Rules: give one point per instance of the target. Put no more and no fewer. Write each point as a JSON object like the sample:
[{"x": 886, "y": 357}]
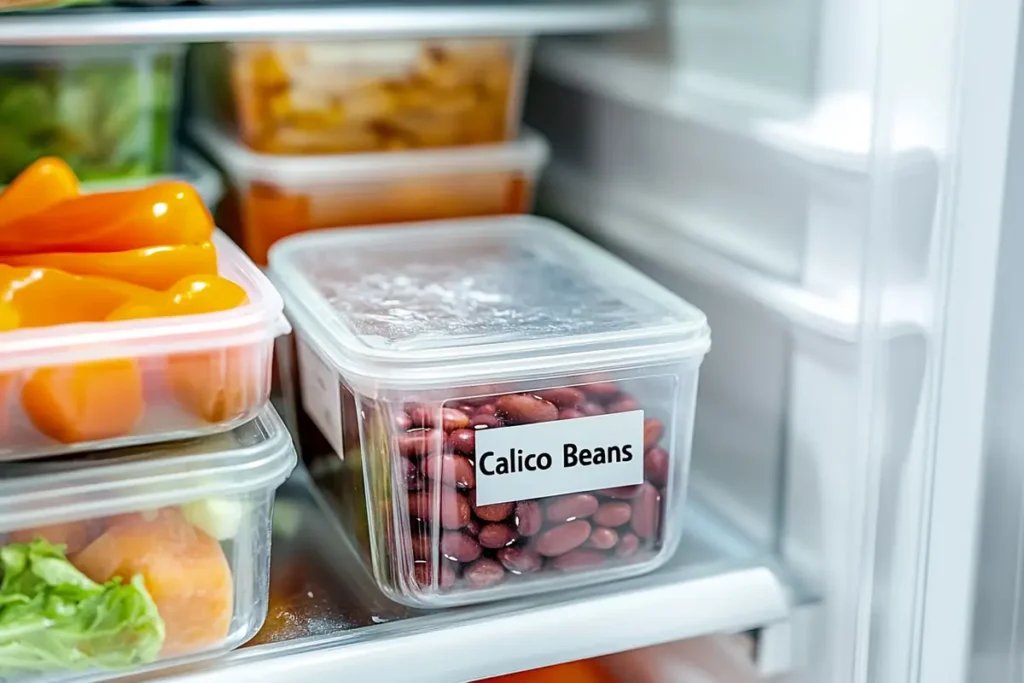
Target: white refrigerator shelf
[
  {"x": 257, "y": 20},
  {"x": 328, "y": 622}
]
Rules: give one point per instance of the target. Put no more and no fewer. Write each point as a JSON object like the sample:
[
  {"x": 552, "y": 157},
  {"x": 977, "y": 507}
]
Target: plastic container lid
[
  {"x": 258, "y": 320},
  {"x": 450, "y": 303},
  {"x": 529, "y": 153},
  {"x": 257, "y": 455}
]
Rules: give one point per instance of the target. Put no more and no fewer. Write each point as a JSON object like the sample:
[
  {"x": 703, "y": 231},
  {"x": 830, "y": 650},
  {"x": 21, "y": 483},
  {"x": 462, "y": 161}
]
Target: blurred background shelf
[
  {"x": 327, "y": 619},
  {"x": 257, "y": 20}
]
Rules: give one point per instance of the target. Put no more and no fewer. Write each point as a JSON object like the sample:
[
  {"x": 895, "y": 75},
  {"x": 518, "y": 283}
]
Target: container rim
[
  {"x": 529, "y": 153},
  {"x": 260, "y": 319},
  {"x": 54, "y": 491},
  {"x": 373, "y": 368}
]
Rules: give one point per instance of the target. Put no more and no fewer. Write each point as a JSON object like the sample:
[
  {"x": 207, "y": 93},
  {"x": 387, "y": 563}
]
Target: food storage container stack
[
  {"x": 496, "y": 406},
  {"x": 320, "y": 135},
  {"x": 108, "y": 111},
  {"x": 138, "y": 346},
  {"x": 134, "y": 558}
]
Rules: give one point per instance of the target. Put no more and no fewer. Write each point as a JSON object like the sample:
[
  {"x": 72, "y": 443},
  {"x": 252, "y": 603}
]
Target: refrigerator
[{"x": 833, "y": 183}]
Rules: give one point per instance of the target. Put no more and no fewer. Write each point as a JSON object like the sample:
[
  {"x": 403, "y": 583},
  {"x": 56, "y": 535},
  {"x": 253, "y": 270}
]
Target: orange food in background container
[
  {"x": 365, "y": 96},
  {"x": 278, "y": 196}
]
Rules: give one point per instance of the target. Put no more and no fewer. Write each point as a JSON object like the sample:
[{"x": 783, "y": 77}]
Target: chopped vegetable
[
  {"x": 53, "y": 617},
  {"x": 185, "y": 571},
  {"x": 219, "y": 517},
  {"x": 108, "y": 115}
]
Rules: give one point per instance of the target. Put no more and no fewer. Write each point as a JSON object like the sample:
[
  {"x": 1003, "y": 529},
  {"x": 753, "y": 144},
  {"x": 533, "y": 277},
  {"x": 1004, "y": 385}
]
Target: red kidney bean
[
  {"x": 568, "y": 508},
  {"x": 486, "y": 409},
  {"x": 453, "y": 470},
  {"x": 601, "y": 390},
  {"x": 656, "y": 466},
  {"x": 421, "y": 546},
  {"x": 628, "y": 545},
  {"x": 416, "y": 443},
  {"x": 463, "y": 441},
  {"x": 653, "y": 429},
  {"x": 485, "y": 422},
  {"x": 581, "y": 558},
  {"x": 458, "y": 546},
  {"x": 454, "y": 508},
  {"x": 452, "y": 419},
  {"x": 563, "y": 397},
  {"x": 484, "y": 543},
  {"x": 523, "y": 409},
  {"x": 519, "y": 560},
  {"x": 623, "y": 405},
  {"x": 562, "y": 538},
  {"x": 484, "y": 573},
  {"x": 496, "y": 536},
  {"x": 494, "y": 513},
  {"x": 613, "y": 514},
  {"x": 646, "y": 507},
  {"x": 603, "y": 538},
  {"x": 424, "y": 574},
  {"x": 529, "y": 517},
  {"x": 622, "y": 492},
  {"x": 421, "y": 416}
]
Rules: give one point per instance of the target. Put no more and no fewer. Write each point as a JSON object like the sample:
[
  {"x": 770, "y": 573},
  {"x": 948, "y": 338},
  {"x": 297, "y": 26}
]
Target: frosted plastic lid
[
  {"x": 485, "y": 299},
  {"x": 257, "y": 455},
  {"x": 528, "y": 154}
]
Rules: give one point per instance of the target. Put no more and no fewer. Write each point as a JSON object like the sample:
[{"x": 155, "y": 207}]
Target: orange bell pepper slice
[
  {"x": 46, "y": 182},
  {"x": 216, "y": 385},
  {"x": 86, "y": 401},
  {"x": 170, "y": 212},
  {"x": 38, "y": 297},
  {"x": 153, "y": 267}
]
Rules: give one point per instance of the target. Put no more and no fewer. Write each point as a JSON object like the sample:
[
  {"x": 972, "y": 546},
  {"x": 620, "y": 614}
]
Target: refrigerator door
[{"x": 876, "y": 217}]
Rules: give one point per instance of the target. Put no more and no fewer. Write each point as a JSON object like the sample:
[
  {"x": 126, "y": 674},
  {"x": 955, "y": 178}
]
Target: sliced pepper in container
[
  {"x": 109, "y": 264},
  {"x": 170, "y": 212},
  {"x": 155, "y": 267}
]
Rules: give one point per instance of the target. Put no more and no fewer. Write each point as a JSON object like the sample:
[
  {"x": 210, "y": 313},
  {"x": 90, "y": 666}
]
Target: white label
[
  {"x": 564, "y": 456},
  {"x": 321, "y": 395}
]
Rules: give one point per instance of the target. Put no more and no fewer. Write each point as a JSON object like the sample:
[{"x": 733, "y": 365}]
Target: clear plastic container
[
  {"x": 83, "y": 386},
  {"x": 500, "y": 407},
  {"x": 109, "y": 111},
  {"x": 166, "y": 553},
  {"x": 273, "y": 197},
  {"x": 365, "y": 96}
]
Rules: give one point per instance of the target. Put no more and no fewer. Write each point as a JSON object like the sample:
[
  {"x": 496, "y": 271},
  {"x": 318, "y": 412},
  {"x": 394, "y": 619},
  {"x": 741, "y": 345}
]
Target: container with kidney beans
[{"x": 497, "y": 407}]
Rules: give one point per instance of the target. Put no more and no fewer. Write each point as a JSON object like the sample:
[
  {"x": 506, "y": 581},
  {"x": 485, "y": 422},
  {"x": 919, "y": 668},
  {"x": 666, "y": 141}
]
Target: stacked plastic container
[
  {"x": 139, "y": 454},
  {"x": 322, "y": 135},
  {"x": 497, "y": 407}
]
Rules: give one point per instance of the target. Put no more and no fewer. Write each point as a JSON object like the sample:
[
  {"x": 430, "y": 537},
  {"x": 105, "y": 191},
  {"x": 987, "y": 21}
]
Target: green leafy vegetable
[
  {"x": 110, "y": 116},
  {"x": 53, "y": 617}
]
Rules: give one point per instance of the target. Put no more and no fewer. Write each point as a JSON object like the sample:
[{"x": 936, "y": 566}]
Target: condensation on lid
[
  {"x": 381, "y": 300},
  {"x": 258, "y": 455}
]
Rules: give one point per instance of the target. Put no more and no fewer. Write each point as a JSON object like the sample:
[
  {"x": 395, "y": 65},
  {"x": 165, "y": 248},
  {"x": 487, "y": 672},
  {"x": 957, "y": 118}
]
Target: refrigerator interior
[{"x": 825, "y": 179}]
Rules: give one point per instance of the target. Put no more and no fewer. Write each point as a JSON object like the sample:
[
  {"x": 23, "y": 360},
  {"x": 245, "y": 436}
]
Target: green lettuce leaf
[{"x": 53, "y": 617}]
